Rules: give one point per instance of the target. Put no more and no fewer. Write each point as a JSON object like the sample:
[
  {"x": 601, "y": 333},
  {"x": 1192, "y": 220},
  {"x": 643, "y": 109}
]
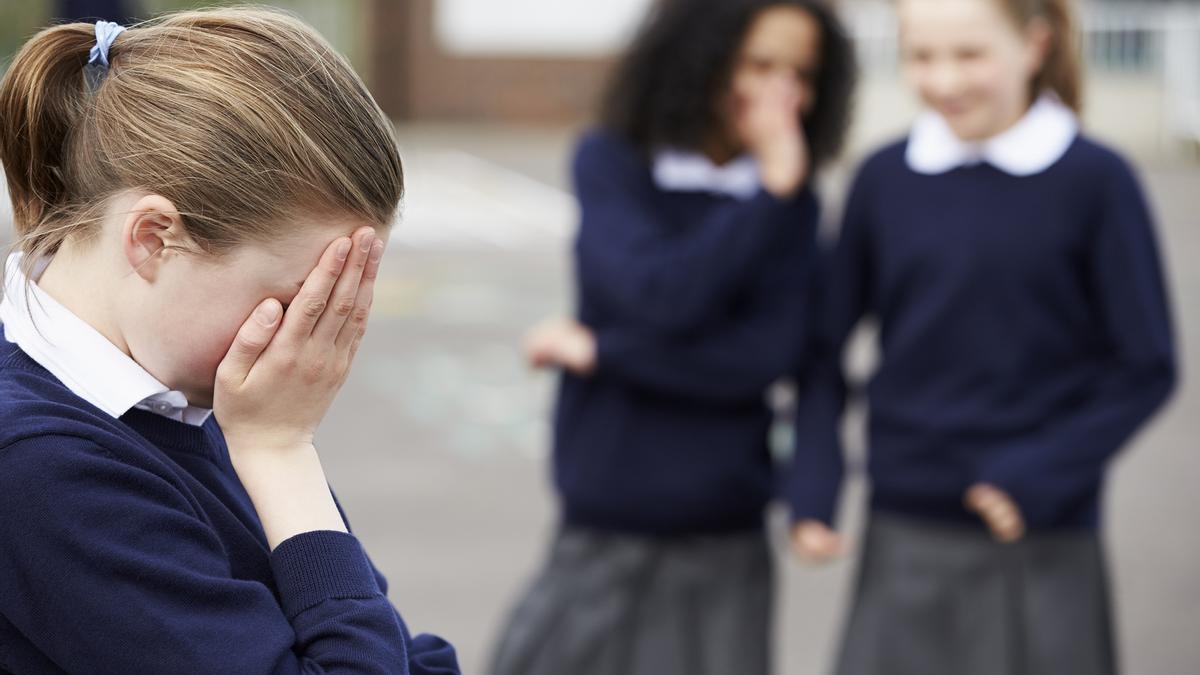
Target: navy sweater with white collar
[
  {"x": 130, "y": 546},
  {"x": 697, "y": 303},
  {"x": 1024, "y": 331}
]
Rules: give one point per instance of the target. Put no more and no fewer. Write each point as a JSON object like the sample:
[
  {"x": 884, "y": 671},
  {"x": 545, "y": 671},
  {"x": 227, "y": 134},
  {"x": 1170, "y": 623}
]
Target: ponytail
[
  {"x": 42, "y": 99},
  {"x": 1061, "y": 71},
  {"x": 244, "y": 119}
]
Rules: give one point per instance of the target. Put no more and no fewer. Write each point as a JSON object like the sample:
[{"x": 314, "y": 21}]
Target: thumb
[{"x": 252, "y": 338}]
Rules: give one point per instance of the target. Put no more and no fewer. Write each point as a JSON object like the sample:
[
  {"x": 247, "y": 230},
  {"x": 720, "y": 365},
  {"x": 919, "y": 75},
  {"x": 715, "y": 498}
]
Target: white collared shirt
[
  {"x": 1038, "y": 140},
  {"x": 681, "y": 171},
  {"x": 80, "y": 357}
]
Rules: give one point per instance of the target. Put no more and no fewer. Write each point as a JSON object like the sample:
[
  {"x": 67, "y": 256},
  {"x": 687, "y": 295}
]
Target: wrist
[
  {"x": 290, "y": 492},
  {"x": 782, "y": 177},
  {"x": 583, "y": 354},
  {"x": 267, "y": 442},
  {"x": 263, "y": 459}
]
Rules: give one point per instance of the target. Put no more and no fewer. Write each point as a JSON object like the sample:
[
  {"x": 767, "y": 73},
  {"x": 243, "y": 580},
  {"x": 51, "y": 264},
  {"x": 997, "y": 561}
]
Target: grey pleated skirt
[
  {"x": 936, "y": 599},
  {"x": 609, "y": 604}
]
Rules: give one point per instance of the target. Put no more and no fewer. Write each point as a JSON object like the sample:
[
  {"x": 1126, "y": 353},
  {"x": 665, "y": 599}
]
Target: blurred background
[{"x": 438, "y": 444}]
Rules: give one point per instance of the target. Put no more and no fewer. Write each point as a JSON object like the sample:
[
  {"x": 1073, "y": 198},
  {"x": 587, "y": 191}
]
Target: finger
[
  {"x": 351, "y": 353},
  {"x": 355, "y": 343},
  {"x": 343, "y": 298},
  {"x": 309, "y": 304},
  {"x": 1008, "y": 523},
  {"x": 979, "y": 495},
  {"x": 537, "y": 355},
  {"x": 814, "y": 541},
  {"x": 531, "y": 350},
  {"x": 250, "y": 342},
  {"x": 820, "y": 549},
  {"x": 538, "y": 344},
  {"x": 996, "y": 518},
  {"x": 1013, "y": 522},
  {"x": 995, "y": 513},
  {"x": 357, "y": 321},
  {"x": 1005, "y": 523},
  {"x": 998, "y": 504},
  {"x": 1007, "y": 532},
  {"x": 1018, "y": 529},
  {"x": 374, "y": 260},
  {"x": 551, "y": 356},
  {"x": 992, "y": 501}
]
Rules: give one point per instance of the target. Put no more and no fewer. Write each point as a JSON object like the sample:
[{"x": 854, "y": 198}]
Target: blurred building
[
  {"x": 514, "y": 61},
  {"x": 546, "y": 61}
]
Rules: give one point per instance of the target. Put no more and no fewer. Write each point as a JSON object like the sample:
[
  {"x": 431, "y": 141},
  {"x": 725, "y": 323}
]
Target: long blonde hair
[
  {"x": 242, "y": 118},
  {"x": 1061, "y": 71}
]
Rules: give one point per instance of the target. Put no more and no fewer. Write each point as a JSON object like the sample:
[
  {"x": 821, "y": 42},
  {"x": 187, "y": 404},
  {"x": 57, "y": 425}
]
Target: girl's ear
[
  {"x": 1039, "y": 38},
  {"x": 152, "y": 226}
]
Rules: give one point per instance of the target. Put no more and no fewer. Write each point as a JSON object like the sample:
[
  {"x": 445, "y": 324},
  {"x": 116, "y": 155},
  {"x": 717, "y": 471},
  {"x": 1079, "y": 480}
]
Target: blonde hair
[
  {"x": 243, "y": 118},
  {"x": 1061, "y": 71}
]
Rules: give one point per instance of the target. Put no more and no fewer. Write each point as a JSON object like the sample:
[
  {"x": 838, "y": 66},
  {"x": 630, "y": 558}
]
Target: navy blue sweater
[
  {"x": 130, "y": 546},
  {"x": 693, "y": 298},
  {"x": 1024, "y": 331}
]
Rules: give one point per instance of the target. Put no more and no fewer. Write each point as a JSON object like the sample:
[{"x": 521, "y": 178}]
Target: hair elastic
[{"x": 97, "y": 65}]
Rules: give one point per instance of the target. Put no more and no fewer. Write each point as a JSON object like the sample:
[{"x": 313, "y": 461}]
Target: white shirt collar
[
  {"x": 1031, "y": 146},
  {"x": 680, "y": 171},
  {"x": 80, "y": 357}
]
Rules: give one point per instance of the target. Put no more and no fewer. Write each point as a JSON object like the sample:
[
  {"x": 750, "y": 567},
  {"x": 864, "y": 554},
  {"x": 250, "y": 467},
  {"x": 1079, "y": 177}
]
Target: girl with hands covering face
[{"x": 188, "y": 293}]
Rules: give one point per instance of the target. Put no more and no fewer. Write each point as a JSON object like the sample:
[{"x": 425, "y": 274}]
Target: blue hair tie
[
  {"x": 97, "y": 65},
  {"x": 106, "y": 32}
]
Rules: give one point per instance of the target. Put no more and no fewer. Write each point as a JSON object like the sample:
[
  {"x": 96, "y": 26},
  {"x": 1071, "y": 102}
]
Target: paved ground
[{"x": 437, "y": 446}]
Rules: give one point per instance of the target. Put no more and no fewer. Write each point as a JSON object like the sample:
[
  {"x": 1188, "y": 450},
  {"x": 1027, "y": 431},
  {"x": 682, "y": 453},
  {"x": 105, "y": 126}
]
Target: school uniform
[
  {"x": 689, "y": 275},
  {"x": 128, "y": 544},
  {"x": 1025, "y": 336}
]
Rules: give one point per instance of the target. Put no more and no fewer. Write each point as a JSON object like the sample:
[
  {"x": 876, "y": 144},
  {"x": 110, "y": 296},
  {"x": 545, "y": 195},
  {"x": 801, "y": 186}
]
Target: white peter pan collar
[
  {"x": 80, "y": 357},
  {"x": 1031, "y": 146},
  {"x": 680, "y": 171}
]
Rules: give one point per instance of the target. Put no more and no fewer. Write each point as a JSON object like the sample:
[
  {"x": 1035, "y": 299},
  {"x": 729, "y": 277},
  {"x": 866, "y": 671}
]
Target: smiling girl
[{"x": 1025, "y": 336}]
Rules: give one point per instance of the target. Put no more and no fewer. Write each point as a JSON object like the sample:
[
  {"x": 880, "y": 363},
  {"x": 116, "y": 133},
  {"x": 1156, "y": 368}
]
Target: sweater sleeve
[
  {"x": 108, "y": 567},
  {"x": 840, "y": 298},
  {"x": 738, "y": 357},
  {"x": 1127, "y": 290},
  {"x": 427, "y": 654},
  {"x": 637, "y": 269}
]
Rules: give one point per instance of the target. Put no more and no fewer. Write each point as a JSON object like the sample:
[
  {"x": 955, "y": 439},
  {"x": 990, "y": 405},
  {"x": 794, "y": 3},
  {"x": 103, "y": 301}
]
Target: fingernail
[
  {"x": 267, "y": 313},
  {"x": 343, "y": 250},
  {"x": 377, "y": 251},
  {"x": 366, "y": 242}
]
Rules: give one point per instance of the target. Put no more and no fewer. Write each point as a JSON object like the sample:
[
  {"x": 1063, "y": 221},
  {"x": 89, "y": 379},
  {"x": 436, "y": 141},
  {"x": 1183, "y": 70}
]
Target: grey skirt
[
  {"x": 609, "y": 604},
  {"x": 935, "y": 599}
]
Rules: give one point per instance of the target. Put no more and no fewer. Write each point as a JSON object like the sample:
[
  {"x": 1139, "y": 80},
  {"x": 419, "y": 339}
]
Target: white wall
[{"x": 568, "y": 28}]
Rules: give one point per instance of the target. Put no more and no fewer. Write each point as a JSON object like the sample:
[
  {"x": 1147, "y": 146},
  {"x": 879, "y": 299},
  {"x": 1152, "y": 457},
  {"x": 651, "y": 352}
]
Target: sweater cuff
[
  {"x": 812, "y": 506},
  {"x": 1041, "y": 496},
  {"x": 314, "y": 567},
  {"x": 803, "y": 198},
  {"x": 608, "y": 349}
]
